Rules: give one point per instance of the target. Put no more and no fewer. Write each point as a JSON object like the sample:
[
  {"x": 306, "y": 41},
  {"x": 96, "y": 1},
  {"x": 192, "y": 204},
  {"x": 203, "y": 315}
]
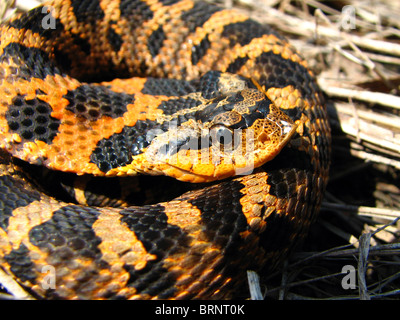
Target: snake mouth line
[{"x": 193, "y": 177}]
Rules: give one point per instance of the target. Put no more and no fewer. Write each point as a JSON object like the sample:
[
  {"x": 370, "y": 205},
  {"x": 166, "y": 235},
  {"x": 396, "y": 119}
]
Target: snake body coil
[{"x": 68, "y": 101}]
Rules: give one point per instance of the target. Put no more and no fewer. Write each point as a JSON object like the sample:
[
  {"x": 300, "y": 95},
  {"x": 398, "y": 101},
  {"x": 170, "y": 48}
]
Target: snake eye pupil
[{"x": 221, "y": 135}]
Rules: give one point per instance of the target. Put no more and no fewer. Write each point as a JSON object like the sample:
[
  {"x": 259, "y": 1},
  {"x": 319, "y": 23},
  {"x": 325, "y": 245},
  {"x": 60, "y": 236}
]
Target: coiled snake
[{"x": 214, "y": 96}]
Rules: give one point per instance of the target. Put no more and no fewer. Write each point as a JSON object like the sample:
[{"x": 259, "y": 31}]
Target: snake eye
[{"x": 221, "y": 136}]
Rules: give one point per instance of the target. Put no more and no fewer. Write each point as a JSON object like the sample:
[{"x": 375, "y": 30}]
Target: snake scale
[{"x": 168, "y": 87}]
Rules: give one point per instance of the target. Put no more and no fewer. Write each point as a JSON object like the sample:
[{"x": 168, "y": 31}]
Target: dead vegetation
[{"x": 354, "y": 49}]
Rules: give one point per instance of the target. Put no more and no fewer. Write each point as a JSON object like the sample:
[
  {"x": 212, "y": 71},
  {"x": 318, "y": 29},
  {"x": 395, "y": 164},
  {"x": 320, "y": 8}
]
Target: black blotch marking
[
  {"x": 281, "y": 183},
  {"x": 114, "y": 38},
  {"x": 279, "y": 72},
  {"x": 117, "y": 150},
  {"x": 87, "y": 11},
  {"x": 93, "y": 102},
  {"x": 200, "y": 50},
  {"x": 284, "y": 175},
  {"x": 237, "y": 64},
  {"x": 69, "y": 222},
  {"x": 32, "y": 20},
  {"x": 151, "y": 227},
  {"x": 171, "y": 106},
  {"x": 14, "y": 194},
  {"x": 198, "y": 15},
  {"x": 209, "y": 112},
  {"x": 69, "y": 235},
  {"x": 155, "y": 41},
  {"x": 244, "y": 32},
  {"x": 221, "y": 209},
  {"x": 289, "y": 158},
  {"x": 168, "y": 87},
  {"x": 209, "y": 85},
  {"x": 21, "y": 265},
  {"x": 168, "y": 2},
  {"x": 277, "y": 235},
  {"x": 135, "y": 11},
  {"x": 223, "y": 221},
  {"x": 290, "y": 168},
  {"x": 32, "y": 120},
  {"x": 295, "y": 113},
  {"x": 32, "y": 62}
]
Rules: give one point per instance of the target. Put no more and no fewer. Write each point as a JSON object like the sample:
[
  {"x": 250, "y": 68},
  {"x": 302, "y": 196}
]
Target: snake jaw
[{"x": 205, "y": 152}]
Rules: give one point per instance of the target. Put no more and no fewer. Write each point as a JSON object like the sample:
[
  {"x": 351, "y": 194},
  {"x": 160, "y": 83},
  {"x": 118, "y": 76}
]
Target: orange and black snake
[{"x": 178, "y": 88}]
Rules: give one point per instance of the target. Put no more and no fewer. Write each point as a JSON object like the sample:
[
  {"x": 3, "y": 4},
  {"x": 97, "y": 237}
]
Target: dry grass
[{"x": 357, "y": 64}]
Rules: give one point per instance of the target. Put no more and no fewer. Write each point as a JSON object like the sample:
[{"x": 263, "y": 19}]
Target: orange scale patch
[
  {"x": 145, "y": 107},
  {"x": 119, "y": 244},
  {"x": 72, "y": 147},
  {"x": 128, "y": 86}
]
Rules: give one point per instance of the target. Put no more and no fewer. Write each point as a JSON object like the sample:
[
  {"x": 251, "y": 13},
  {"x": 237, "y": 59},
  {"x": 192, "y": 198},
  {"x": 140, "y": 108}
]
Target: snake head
[{"x": 228, "y": 135}]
